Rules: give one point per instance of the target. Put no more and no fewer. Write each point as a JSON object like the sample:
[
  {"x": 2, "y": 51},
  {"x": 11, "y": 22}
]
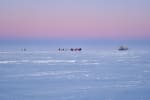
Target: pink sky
[{"x": 70, "y": 19}]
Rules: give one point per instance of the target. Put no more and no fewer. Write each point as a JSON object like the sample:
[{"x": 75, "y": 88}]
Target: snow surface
[{"x": 86, "y": 75}]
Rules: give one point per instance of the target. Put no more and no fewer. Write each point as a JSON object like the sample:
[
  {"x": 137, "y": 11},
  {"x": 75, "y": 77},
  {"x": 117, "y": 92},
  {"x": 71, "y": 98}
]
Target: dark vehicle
[{"x": 123, "y": 48}]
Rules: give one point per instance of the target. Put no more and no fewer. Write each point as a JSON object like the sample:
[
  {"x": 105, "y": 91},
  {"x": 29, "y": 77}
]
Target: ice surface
[{"x": 86, "y": 75}]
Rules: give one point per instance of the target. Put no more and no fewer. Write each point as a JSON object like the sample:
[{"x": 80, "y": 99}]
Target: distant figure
[
  {"x": 59, "y": 49},
  {"x": 79, "y": 49},
  {"x": 122, "y": 48},
  {"x": 71, "y": 49},
  {"x": 76, "y": 49},
  {"x": 24, "y": 49}
]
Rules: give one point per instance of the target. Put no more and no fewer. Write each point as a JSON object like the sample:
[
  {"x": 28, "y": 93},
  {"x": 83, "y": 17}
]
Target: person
[
  {"x": 24, "y": 49},
  {"x": 71, "y": 49},
  {"x": 59, "y": 49},
  {"x": 79, "y": 49}
]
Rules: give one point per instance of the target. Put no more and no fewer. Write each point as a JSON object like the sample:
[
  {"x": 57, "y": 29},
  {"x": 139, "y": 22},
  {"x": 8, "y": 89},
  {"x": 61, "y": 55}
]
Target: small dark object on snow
[{"x": 122, "y": 48}]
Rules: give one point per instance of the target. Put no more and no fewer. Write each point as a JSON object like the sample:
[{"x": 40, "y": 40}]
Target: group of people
[
  {"x": 71, "y": 49},
  {"x": 61, "y": 49}
]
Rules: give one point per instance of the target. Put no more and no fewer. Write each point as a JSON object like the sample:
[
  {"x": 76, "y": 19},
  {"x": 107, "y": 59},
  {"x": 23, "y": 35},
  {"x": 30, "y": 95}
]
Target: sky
[{"x": 75, "y": 19}]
